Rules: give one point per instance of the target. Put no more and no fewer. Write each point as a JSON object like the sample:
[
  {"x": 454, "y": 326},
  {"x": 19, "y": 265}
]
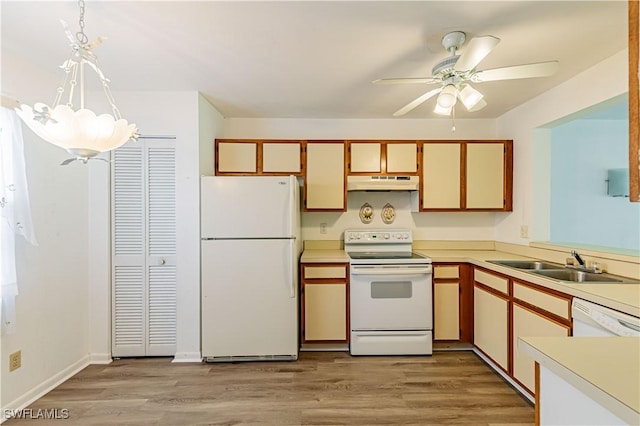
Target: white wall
[
  {"x": 51, "y": 309},
  {"x": 604, "y": 81},
  {"x": 454, "y": 226}
]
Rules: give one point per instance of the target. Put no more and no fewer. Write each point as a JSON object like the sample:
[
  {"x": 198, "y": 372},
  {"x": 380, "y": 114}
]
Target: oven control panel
[{"x": 377, "y": 236}]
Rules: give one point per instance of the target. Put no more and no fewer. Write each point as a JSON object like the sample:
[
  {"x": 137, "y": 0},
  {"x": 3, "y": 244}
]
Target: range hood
[{"x": 383, "y": 183}]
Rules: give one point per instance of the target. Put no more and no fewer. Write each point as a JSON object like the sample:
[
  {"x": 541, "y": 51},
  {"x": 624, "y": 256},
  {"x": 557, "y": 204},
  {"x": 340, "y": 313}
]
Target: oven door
[{"x": 391, "y": 297}]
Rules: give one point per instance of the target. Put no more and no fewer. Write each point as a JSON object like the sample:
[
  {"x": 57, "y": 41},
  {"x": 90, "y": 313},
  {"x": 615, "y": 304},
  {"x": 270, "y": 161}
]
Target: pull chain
[
  {"x": 453, "y": 119},
  {"x": 80, "y": 35}
]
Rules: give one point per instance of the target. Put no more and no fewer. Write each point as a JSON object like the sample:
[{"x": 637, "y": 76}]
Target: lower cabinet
[
  {"x": 536, "y": 313},
  {"x": 491, "y": 325},
  {"x": 324, "y": 303},
  {"x": 452, "y": 303},
  {"x": 506, "y": 309}
]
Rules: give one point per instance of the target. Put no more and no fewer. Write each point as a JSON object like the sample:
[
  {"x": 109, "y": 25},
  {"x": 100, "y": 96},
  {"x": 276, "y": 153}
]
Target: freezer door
[
  {"x": 249, "y": 298},
  {"x": 249, "y": 206}
]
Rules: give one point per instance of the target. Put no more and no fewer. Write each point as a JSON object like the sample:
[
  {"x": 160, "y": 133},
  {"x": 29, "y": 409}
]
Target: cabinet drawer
[
  {"x": 550, "y": 303},
  {"x": 493, "y": 281},
  {"x": 324, "y": 272},
  {"x": 446, "y": 272}
]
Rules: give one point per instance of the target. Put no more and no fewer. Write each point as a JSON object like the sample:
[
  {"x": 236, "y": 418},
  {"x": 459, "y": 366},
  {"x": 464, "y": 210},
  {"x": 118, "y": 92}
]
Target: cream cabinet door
[
  {"x": 365, "y": 157},
  {"x": 402, "y": 158},
  {"x": 490, "y": 326},
  {"x": 441, "y": 176},
  {"x": 324, "y": 180},
  {"x": 530, "y": 324},
  {"x": 237, "y": 157},
  {"x": 281, "y": 157},
  {"x": 325, "y": 312},
  {"x": 485, "y": 176},
  {"x": 446, "y": 313}
]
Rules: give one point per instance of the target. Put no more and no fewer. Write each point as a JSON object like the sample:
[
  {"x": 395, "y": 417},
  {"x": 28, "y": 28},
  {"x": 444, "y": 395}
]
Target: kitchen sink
[
  {"x": 559, "y": 272},
  {"x": 572, "y": 275},
  {"x": 527, "y": 264}
]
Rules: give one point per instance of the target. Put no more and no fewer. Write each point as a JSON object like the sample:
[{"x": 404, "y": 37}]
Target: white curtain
[{"x": 15, "y": 212}]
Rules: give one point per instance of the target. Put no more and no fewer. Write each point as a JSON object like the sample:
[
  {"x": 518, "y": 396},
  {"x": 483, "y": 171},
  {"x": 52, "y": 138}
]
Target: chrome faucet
[
  {"x": 582, "y": 265},
  {"x": 578, "y": 258}
]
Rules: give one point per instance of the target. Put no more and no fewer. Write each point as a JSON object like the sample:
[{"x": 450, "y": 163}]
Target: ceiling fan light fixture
[
  {"x": 478, "y": 106},
  {"x": 447, "y": 96},
  {"x": 83, "y": 133},
  {"x": 442, "y": 111},
  {"x": 469, "y": 96}
]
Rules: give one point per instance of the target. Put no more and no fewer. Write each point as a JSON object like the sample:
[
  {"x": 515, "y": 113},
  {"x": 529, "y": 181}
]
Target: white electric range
[{"x": 390, "y": 294}]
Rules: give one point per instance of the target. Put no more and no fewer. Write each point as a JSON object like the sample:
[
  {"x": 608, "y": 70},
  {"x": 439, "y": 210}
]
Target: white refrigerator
[{"x": 249, "y": 256}]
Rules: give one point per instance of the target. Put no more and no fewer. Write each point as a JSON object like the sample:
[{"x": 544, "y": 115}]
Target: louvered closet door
[{"x": 144, "y": 249}]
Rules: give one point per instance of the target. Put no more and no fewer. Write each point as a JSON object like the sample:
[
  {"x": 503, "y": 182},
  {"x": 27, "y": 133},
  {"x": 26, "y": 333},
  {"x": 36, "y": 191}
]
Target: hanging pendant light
[{"x": 80, "y": 131}]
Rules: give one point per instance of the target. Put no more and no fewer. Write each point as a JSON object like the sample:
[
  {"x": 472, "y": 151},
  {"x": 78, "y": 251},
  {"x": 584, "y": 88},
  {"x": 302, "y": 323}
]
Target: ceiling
[{"x": 316, "y": 59}]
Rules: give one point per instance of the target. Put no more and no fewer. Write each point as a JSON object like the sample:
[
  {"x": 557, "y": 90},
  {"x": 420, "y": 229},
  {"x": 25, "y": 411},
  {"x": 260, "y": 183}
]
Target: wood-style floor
[{"x": 322, "y": 388}]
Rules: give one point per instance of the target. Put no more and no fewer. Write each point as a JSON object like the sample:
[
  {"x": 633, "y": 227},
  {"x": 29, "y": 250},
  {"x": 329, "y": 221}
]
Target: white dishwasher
[{"x": 593, "y": 320}]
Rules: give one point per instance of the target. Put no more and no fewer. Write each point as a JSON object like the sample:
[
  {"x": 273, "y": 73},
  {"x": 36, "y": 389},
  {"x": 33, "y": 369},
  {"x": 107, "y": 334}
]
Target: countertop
[
  {"x": 611, "y": 380},
  {"x": 621, "y": 297}
]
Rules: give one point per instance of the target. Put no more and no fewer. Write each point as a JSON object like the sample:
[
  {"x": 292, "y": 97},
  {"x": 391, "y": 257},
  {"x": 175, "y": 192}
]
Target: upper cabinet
[
  {"x": 467, "y": 175},
  {"x": 236, "y": 157},
  {"x": 455, "y": 175},
  {"x": 324, "y": 183},
  {"x": 259, "y": 157},
  {"x": 382, "y": 157}
]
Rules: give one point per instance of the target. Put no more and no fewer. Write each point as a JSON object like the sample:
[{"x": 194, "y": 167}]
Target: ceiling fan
[{"x": 454, "y": 74}]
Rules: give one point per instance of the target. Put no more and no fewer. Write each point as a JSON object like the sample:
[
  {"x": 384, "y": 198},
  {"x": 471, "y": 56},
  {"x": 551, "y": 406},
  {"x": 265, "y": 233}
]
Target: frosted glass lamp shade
[
  {"x": 447, "y": 96},
  {"x": 470, "y": 96},
  {"x": 80, "y": 132},
  {"x": 442, "y": 111}
]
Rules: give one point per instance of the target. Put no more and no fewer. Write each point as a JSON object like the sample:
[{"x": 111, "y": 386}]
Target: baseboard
[
  {"x": 187, "y": 357},
  {"x": 498, "y": 370},
  {"x": 44, "y": 387},
  {"x": 101, "y": 358}
]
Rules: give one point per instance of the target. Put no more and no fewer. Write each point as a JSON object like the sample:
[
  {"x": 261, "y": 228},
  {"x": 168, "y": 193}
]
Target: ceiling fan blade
[
  {"x": 417, "y": 80},
  {"x": 540, "y": 69},
  {"x": 478, "y": 48},
  {"x": 411, "y": 105}
]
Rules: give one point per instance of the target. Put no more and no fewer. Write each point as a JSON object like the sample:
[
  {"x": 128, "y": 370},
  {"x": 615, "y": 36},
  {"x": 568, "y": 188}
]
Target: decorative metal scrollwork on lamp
[{"x": 81, "y": 132}]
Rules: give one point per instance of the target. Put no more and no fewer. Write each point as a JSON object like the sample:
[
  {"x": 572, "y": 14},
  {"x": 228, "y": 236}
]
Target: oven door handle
[{"x": 407, "y": 270}]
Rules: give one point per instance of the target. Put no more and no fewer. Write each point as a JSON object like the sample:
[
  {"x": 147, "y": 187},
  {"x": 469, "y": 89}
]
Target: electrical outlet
[
  {"x": 524, "y": 231},
  {"x": 323, "y": 228},
  {"x": 15, "y": 360}
]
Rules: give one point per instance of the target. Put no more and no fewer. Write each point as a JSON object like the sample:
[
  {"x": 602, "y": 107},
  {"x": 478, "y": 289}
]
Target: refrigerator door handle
[
  {"x": 292, "y": 268},
  {"x": 292, "y": 205}
]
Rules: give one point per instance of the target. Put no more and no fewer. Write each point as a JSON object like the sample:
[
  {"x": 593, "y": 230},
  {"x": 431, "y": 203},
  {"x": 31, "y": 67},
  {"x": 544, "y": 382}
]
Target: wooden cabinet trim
[{"x": 634, "y": 101}]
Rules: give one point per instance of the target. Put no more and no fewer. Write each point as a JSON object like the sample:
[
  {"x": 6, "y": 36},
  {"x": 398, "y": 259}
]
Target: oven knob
[{"x": 386, "y": 236}]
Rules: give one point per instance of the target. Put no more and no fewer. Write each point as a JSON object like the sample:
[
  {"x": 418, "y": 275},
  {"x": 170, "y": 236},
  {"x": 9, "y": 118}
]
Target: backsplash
[{"x": 425, "y": 226}]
